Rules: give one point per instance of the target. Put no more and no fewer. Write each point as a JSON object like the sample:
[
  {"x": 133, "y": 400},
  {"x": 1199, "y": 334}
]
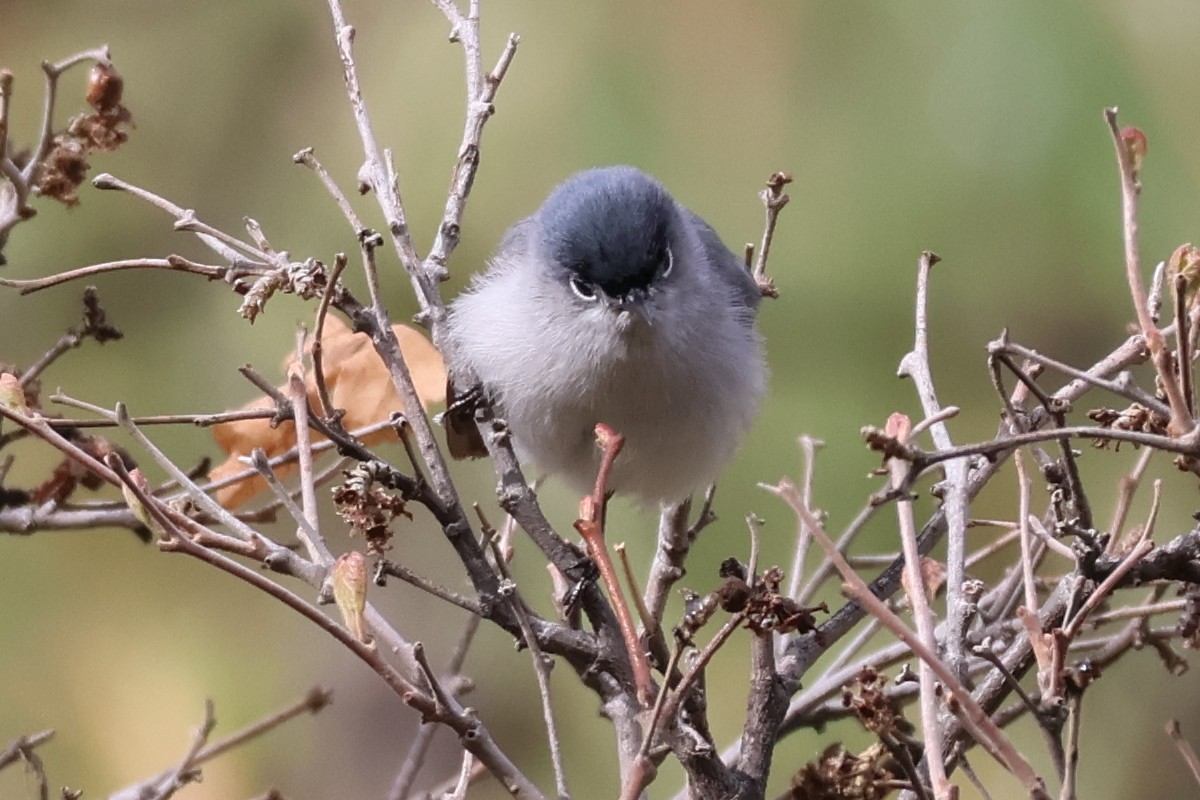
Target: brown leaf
[
  {"x": 933, "y": 575},
  {"x": 358, "y": 383}
]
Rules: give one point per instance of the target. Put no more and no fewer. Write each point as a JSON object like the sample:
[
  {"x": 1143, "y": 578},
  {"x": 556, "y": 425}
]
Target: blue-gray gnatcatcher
[{"x": 613, "y": 303}]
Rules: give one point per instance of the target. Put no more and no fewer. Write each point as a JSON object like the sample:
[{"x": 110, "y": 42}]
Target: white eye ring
[
  {"x": 670, "y": 263},
  {"x": 582, "y": 288}
]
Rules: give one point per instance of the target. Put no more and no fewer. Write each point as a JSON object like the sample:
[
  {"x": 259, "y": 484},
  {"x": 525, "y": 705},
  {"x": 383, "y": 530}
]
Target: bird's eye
[
  {"x": 668, "y": 263},
  {"x": 582, "y": 288}
]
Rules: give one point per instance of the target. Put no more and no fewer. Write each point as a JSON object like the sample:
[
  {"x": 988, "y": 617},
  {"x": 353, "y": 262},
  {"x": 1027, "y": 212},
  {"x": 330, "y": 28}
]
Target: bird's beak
[{"x": 631, "y": 306}]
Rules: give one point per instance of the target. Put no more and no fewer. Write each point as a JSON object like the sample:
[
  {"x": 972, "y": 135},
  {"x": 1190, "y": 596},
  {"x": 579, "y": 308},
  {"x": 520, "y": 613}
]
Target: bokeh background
[{"x": 971, "y": 129}]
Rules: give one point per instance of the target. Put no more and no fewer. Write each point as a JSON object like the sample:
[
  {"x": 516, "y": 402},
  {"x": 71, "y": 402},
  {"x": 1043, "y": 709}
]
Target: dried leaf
[
  {"x": 368, "y": 508},
  {"x": 358, "y": 383}
]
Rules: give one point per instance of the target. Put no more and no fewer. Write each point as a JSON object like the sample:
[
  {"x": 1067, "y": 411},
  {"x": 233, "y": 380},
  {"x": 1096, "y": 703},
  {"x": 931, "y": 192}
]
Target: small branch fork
[
  {"x": 20, "y": 174},
  {"x": 773, "y": 199}
]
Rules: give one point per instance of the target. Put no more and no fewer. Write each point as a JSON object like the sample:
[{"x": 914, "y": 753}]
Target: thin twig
[
  {"x": 52, "y": 72},
  {"x": 1181, "y": 420},
  {"x": 541, "y": 670},
  {"x": 233, "y": 250},
  {"x": 1071, "y": 748},
  {"x": 318, "y": 347},
  {"x": 1106, "y": 587},
  {"x": 310, "y": 534},
  {"x": 774, "y": 199},
  {"x": 1138, "y": 611},
  {"x": 417, "y": 751},
  {"x": 1185, "y": 749},
  {"x": 696, "y": 669},
  {"x": 385, "y": 567},
  {"x": 308, "y": 158},
  {"x": 916, "y": 365},
  {"x": 590, "y": 526},
  {"x": 1121, "y": 388},
  {"x": 185, "y": 772},
  {"x": 313, "y": 702},
  {"x": 914, "y": 585},
  {"x": 1129, "y": 485},
  {"x": 1183, "y": 355},
  {"x": 809, "y": 447},
  {"x": 1023, "y": 488},
  {"x": 1187, "y": 445},
  {"x": 649, "y": 624},
  {"x": 985, "y": 731},
  {"x": 19, "y": 748},
  {"x": 670, "y": 553}
]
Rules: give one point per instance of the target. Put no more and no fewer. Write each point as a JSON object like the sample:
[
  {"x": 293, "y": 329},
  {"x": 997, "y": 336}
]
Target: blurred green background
[{"x": 971, "y": 129}]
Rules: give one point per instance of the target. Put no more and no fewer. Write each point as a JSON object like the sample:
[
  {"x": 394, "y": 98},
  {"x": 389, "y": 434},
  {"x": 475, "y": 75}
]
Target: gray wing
[{"x": 730, "y": 269}]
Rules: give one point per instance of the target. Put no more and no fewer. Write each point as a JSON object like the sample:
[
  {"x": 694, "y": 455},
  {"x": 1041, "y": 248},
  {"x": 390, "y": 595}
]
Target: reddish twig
[
  {"x": 1130, "y": 145},
  {"x": 591, "y": 527}
]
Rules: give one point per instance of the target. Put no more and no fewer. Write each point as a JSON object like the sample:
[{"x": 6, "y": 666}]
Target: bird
[{"x": 612, "y": 303}]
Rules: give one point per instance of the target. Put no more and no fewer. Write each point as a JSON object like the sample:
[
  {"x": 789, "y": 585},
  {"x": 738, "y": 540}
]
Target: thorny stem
[{"x": 1056, "y": 412}]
